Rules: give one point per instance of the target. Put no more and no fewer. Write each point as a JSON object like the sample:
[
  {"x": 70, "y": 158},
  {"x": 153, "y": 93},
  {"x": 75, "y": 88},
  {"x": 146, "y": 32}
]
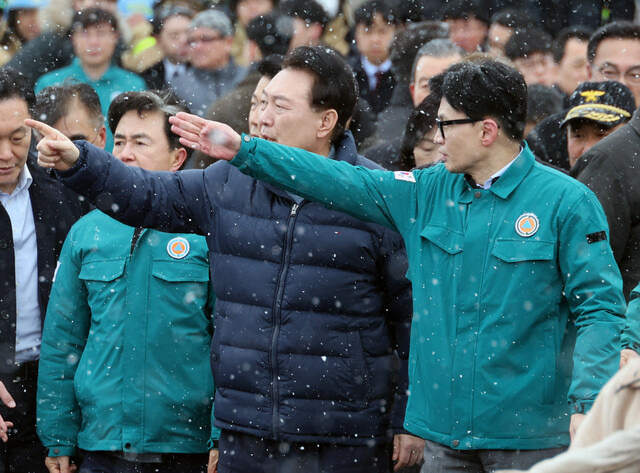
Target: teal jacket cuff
[
  {"x": 61, "y": 451},
  {"x": 247, "y": 145}
]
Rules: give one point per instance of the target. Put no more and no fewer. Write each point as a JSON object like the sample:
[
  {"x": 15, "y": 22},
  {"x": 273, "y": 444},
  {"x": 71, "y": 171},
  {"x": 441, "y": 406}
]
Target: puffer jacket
[{"x": 312, "y": 306}]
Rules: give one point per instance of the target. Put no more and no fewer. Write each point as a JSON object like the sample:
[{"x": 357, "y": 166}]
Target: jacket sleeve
[
  {"x": 608, "y": 182},
  {"x": 176, "y": 202},
  {"x": 64, "y": 337},
  {"x": 593, "y": 289},
  {"x": 399, "y": 306},
  {"x": 368, "y": 194},
  {"x": 631, "y": 335}
]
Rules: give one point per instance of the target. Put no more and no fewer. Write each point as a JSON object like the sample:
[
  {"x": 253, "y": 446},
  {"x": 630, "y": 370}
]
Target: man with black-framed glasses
[
  {"x": 443, "y": 123},
  {"x": 518, "y": 307}
]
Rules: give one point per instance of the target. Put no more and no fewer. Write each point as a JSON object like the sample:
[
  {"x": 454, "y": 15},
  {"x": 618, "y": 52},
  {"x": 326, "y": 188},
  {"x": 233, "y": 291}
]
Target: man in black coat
[
  {"x": 611, "y": 169},
  {"x": 35, "y": 216}
]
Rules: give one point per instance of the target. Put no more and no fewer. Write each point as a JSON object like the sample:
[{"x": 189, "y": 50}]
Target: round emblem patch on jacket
[
  {"x": 527, "y": 225},
  {"x": 178, "y": 247}
]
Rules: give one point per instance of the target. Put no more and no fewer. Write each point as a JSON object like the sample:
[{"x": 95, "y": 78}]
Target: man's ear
[
  {"x": 102, "y": 137},
  {"x": 329, "y": 119},
  {"x": 490, "y": 131},
  {"x": 178, "y": 158}
]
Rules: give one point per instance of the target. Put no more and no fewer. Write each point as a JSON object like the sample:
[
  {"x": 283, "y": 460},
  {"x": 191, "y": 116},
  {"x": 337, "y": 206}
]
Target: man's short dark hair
[
  {"x": 162, "y": 14},
  {"x": 15, "y": 85},
  {"x": 407, "y": 42},
  {"x": 309, "y": 11},
  {"x": 334, "y": 86},
  {"x": 615, "y": 30},
  {"x": 272, "y": 32},
  {"x": 543, "y": 101},
  {"x": 165, "y": 102},
  {"x": 488, "y": 89},
  {"x": 270, "y": 65},
  {"x": 93, "y": 17},
  {"x": 55, "y": 102},
  {"x": 364, "y": 15},
  {"x": 466, "y": 9},
  {"x": 513, "y": 18},
  {"x": 524, "y": 42},
  {"x": 578, "y": 32}
]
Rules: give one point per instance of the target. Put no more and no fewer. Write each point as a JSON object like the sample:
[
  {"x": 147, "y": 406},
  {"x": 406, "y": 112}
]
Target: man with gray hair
[
  {"x": 212, "y": 73},
  {"x": 403, "y": 50},
  {"x": 431, "y": 59}
]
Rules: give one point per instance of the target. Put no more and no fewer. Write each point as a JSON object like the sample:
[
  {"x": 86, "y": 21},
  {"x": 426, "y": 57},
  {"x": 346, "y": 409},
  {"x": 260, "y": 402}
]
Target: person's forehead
[
  {"x": 446, "y": 110},
  {"x": 260, "y": 86},
  {"x": 429, "y": 66},
  {"x": 203, "y": 30},
  {"x": 377, "y": 20},
  {"x": 499, "y": 30},
  {"x": 292, "y": 84},
  {"x": 105, "y": 26},
  {"x": 176, "y": 22},
  {"x": 14, "y": 109},
  {"x": 534, "y": 55},
  {"x": 615, "y": 50},
  {"x": 149, "y": 123},
  {"x": 586, "y": 125}
]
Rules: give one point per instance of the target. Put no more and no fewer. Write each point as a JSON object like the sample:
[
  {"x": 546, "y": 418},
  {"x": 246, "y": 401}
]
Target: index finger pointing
[{"x": 43, "y": 128}]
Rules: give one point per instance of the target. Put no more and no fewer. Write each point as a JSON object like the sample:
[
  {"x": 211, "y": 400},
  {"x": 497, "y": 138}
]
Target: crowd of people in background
[{"x": 327, "y": 319}]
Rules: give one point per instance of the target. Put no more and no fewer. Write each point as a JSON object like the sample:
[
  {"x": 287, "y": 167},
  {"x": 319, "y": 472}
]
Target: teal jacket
[
  {"x": 124, "y": 364},
  {"x": 631, "y": 335},
  {"x": 506, "y": 283}
]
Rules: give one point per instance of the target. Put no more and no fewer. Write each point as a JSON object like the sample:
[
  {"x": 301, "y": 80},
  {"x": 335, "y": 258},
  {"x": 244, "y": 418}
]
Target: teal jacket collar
[{"x": 507, "y": 183}]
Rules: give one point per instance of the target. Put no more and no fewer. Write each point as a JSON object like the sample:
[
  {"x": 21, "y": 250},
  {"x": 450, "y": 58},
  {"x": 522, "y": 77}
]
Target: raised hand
[
  {"x": 54, "y": 150},
  {"x": 216, "y": 139}
]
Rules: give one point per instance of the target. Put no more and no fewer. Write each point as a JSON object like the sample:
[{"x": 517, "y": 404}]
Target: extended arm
[
  {"x": 171, "y": 202},
  {"x": 372, "y": 195}
]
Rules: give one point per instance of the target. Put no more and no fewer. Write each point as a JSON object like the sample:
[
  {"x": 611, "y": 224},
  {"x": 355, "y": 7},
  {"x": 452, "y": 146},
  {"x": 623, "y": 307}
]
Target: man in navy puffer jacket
[{"x": 312, "y": 305}]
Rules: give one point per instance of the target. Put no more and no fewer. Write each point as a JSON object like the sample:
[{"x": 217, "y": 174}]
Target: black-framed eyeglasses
[{"x": 460, "y": 121}]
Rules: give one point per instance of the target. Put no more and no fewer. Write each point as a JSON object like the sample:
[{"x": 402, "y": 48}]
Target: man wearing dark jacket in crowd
[
  {"x": 35, "y": 217},
  {"x": 311, "y": 304},
  {"x": 611, "y": 169},
  {"x": 374, "y": 30}
]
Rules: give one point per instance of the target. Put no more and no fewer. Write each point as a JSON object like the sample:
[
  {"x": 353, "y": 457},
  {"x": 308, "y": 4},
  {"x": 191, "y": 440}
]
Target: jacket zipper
[{"x": 277, "y": 311}]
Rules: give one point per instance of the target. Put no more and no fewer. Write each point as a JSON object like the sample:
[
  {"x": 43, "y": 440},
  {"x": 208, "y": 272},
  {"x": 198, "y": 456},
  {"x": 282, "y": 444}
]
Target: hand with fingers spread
[
  {"x": 408, "y": 450},
  {"x": 215, "y": 139},
  {"x": 9, "y": 402},
  {"x": 54, "y": 150}
]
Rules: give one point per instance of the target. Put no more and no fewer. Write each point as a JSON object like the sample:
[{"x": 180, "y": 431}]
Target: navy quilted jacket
[{"x": 312, "y": 305}]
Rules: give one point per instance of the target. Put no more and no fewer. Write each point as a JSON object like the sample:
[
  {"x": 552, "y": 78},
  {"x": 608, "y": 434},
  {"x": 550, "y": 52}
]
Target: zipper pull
[{"x": 294, "y": 209}]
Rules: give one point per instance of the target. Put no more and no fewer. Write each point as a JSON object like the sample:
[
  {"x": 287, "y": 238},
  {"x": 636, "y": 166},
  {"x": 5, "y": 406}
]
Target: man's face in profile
[{"x": 15, "y": 138}]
